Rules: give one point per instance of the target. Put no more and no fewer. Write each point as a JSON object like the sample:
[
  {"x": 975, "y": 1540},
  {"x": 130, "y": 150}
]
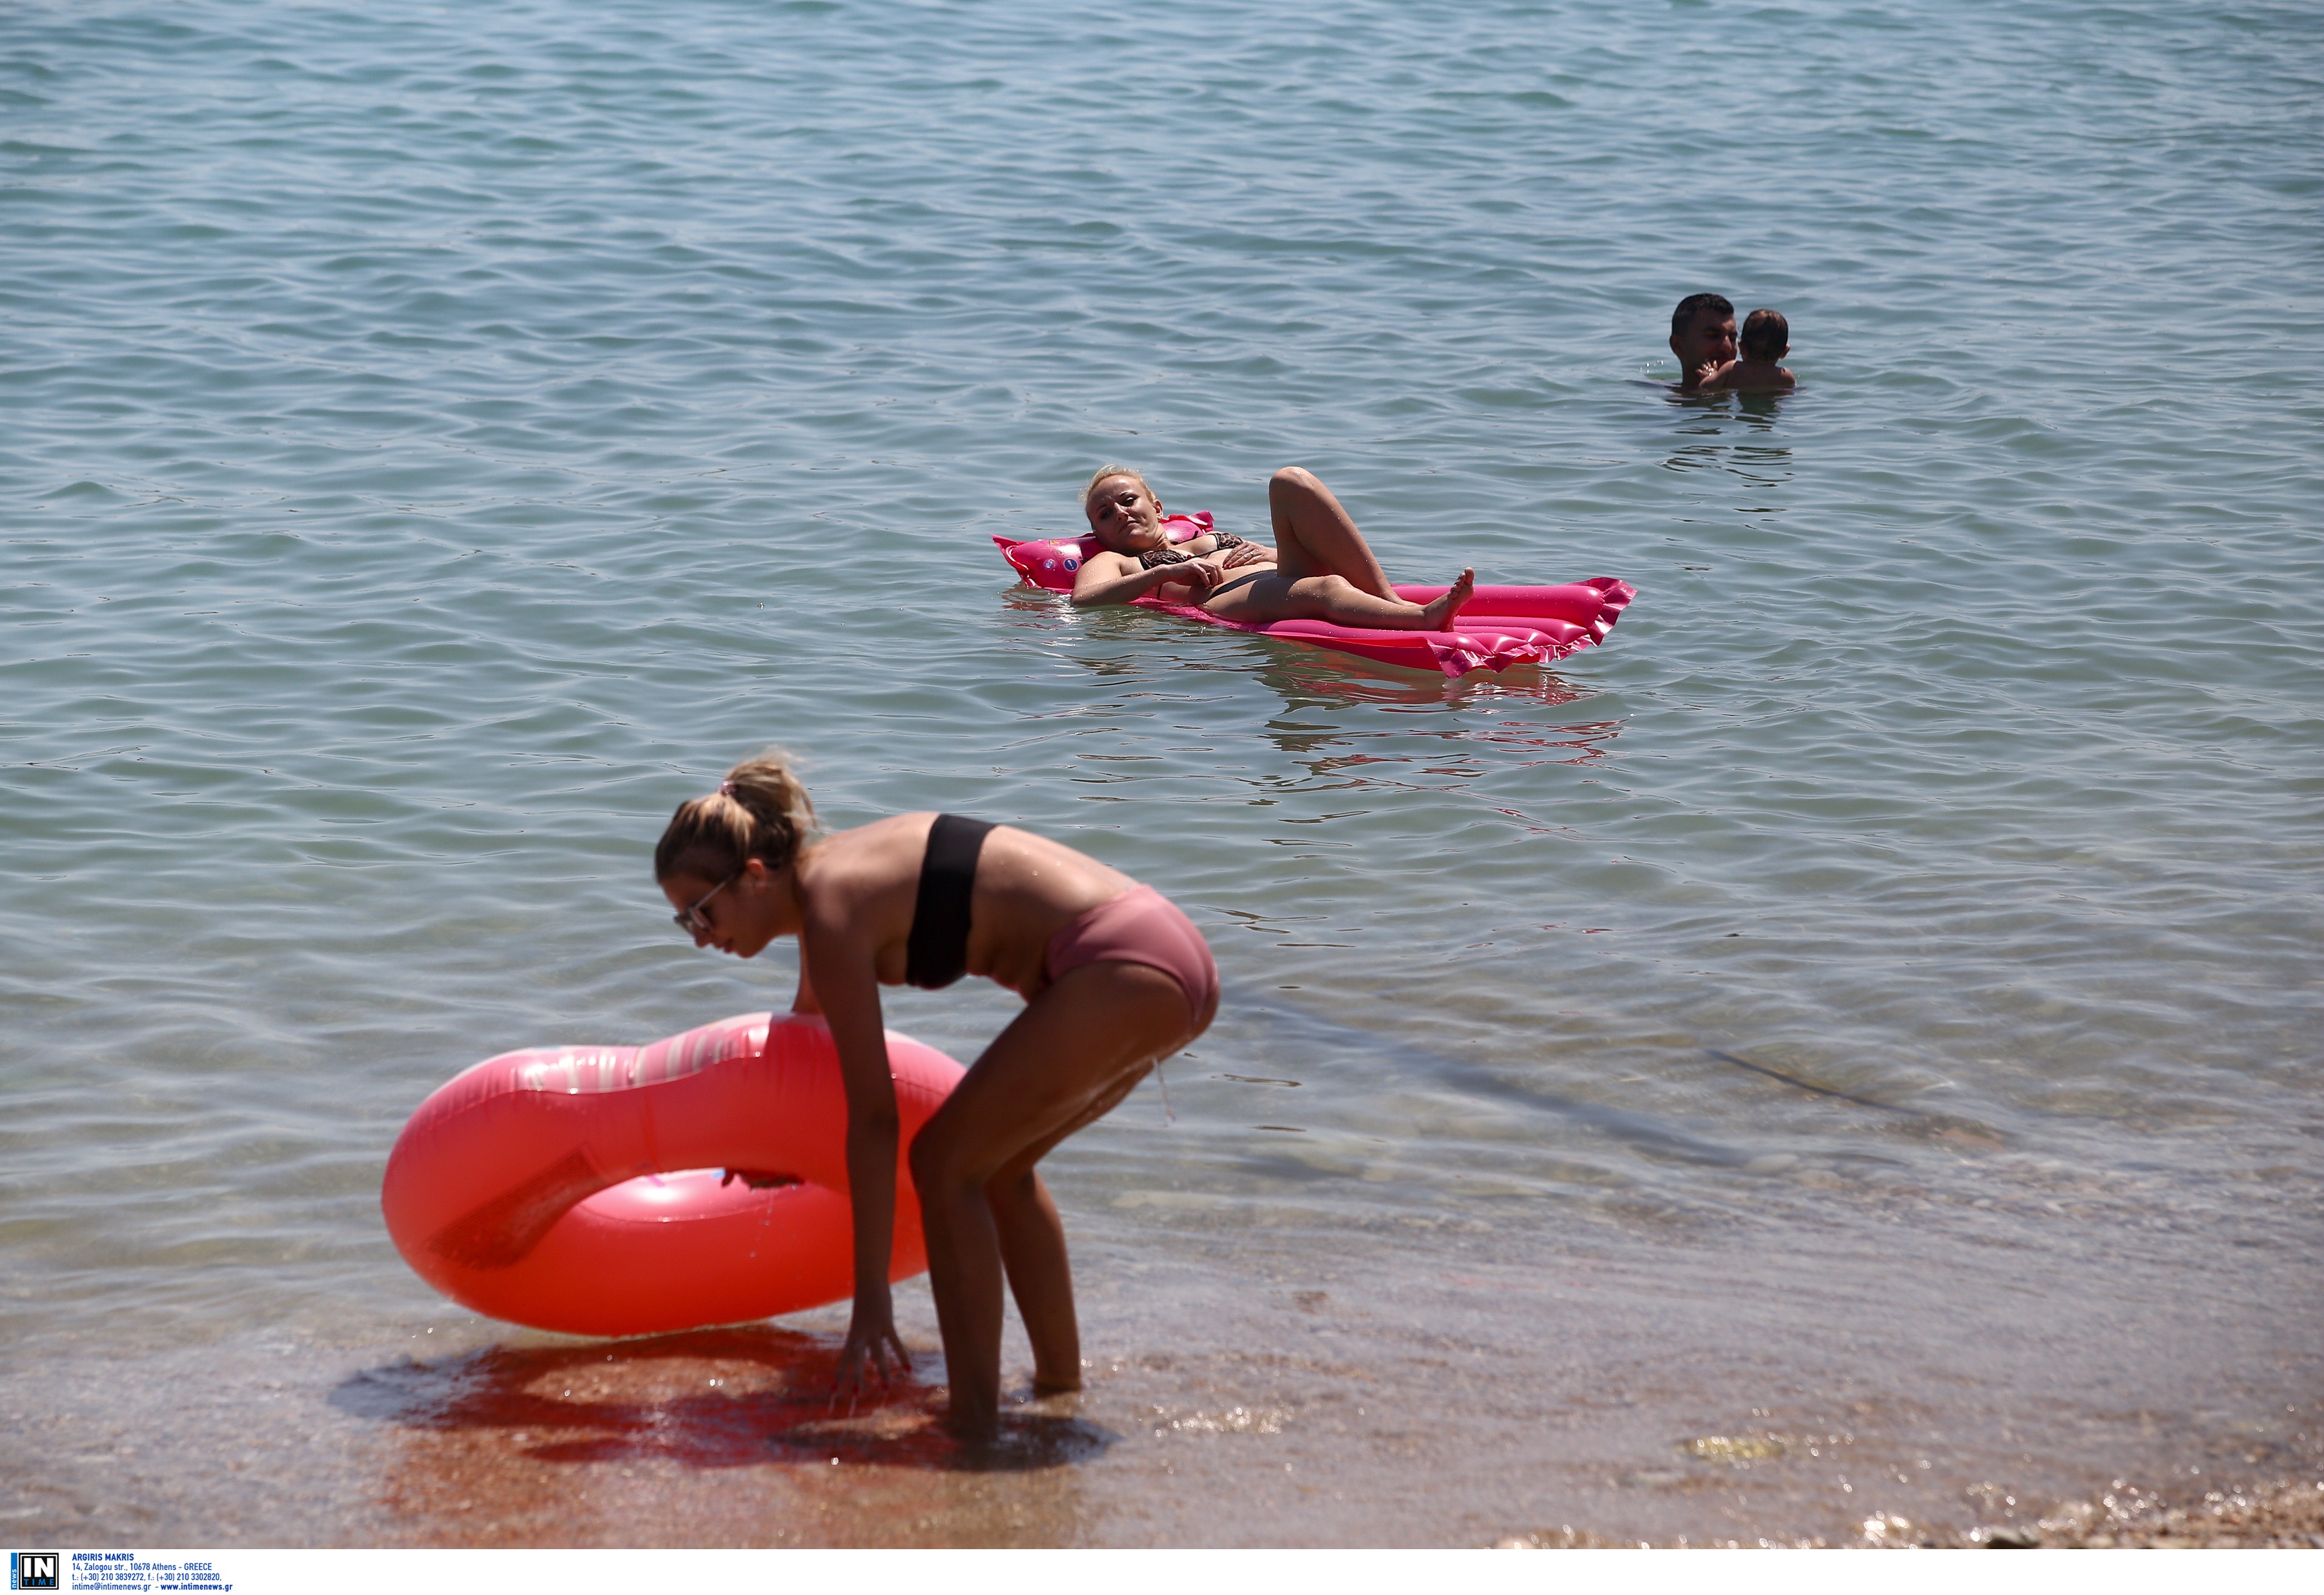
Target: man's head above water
[{"x": 1703, "y": 337}]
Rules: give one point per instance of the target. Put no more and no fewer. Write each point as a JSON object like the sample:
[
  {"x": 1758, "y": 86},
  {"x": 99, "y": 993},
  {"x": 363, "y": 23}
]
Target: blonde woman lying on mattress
[{"x": 1319, "y": 568}]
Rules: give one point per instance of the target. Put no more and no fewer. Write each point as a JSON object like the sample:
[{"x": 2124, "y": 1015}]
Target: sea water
[{"x": 1843, "y": 1052}]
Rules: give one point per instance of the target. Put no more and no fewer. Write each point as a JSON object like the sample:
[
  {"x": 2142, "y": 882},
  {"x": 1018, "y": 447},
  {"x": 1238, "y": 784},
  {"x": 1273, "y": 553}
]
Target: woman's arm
[
  {"x": 1101, "y": 579},
  {"x": 850, "y": 994}
]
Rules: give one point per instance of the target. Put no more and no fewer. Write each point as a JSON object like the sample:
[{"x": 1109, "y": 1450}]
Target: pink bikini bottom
[{"x": 1143, "y": 926}]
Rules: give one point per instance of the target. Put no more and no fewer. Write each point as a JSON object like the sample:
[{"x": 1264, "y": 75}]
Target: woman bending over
[
  {"x": 1319, "y": 568},
  {"x": 1114, "y": 978}
]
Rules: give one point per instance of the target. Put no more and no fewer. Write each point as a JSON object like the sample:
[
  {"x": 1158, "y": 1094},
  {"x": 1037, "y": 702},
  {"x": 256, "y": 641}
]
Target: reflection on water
[
  {"x": 1759, "y": 406},
  {"x": 1308, "y": 678},
  {"x": 712, "y": 1398},
  {"x": 1762, "y": 464}
]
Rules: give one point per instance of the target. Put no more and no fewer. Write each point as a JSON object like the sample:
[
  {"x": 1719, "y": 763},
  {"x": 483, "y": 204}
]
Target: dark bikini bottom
[{"x": 1228, "y": 586}]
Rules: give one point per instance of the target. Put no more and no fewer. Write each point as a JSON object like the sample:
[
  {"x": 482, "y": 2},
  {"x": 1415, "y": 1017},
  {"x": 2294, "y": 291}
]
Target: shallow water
[{"x": 1845, "y": 1047}]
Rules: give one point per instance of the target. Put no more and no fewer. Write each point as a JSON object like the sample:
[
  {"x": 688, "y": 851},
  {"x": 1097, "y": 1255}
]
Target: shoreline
[
  {"x": 2286, "y": 1513},
  {"x": 464, "y": 1436}
]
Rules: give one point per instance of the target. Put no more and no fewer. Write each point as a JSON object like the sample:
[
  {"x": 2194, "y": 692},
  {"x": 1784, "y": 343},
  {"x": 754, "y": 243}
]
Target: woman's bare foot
[
  {"x": 1437, "y": 616},
  {"x": 970, "y": 1431}
]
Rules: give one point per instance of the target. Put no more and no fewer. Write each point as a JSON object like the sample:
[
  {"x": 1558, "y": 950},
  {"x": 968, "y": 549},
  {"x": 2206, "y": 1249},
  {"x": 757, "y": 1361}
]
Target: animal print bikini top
[{"x": 1155, "y": 558}]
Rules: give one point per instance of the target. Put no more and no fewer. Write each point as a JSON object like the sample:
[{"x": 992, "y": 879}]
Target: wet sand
[
  {"x": 2284, "y": 1514},
  {"x": 721, "y": 1439},
  {"x": 1293, "y": 1412}
]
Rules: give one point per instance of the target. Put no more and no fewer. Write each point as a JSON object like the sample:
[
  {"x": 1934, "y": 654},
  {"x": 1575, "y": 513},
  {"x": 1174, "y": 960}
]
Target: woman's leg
[
  {"x": 1332, "y": 573},
  {"x": 1336, "y": 599},
  {"x": 1033, "y": 1249},
  {"x": 1074, "y": 1051},
  {"x": 1314, "y": 536},
  {"x": 1273, "y": 596},
  {"x": 1040, "y": 1277}
]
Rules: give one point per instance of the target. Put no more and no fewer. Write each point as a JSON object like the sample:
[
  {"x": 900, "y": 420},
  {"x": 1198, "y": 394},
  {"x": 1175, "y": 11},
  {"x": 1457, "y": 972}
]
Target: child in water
[
  {"x": 1114, "y": 978},
  {"x": 1767, "y": 339}
]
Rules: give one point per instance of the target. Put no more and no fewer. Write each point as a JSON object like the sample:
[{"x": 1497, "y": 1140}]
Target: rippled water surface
[{"x": 1848, "y": 1045}]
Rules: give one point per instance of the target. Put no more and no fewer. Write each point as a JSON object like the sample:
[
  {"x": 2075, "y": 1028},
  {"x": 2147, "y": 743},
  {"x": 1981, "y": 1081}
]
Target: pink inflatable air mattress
[{"x": 1501, "y": 626}]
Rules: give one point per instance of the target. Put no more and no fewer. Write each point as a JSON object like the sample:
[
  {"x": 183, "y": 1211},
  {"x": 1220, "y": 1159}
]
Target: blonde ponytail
[{"x": 761, "y": 811}]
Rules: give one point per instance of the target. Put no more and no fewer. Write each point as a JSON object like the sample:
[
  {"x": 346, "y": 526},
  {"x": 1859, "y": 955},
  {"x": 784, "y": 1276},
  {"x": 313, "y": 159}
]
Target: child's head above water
[{"x": 1767, "y": 336}]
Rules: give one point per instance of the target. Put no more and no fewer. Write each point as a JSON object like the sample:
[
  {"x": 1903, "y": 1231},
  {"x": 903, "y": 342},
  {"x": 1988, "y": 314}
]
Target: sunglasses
[{"x": 689, "y": 918}]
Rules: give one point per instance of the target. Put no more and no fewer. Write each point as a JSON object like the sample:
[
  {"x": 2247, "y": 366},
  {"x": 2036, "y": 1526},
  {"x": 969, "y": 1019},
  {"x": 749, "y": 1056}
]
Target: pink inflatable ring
[{"x": 582, "y": 1189}]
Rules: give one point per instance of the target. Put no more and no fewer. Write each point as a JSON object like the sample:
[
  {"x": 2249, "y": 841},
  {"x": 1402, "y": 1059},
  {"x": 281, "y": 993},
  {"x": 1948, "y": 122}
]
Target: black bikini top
[
  {"x": 937, "y": 952},
  {"x": 1221, "y": 541}
]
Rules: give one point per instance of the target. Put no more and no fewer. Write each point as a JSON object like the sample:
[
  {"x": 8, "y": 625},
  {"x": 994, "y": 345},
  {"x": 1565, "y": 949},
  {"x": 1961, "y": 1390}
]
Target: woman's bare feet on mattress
[{"x": 1437, "y": 616}]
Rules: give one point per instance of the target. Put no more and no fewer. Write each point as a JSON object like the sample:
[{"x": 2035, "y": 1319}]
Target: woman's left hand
[
  {"x": 871, "y": 1339},
  {"x": 1244, "y": 554},
  {"x": 1203, "y": 573}
]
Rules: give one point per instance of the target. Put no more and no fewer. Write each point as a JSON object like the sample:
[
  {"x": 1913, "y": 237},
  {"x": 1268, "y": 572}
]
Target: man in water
[{"x": 1703, "y": 337}]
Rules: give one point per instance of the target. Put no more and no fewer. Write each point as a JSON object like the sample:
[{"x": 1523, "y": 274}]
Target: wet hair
[
  {"x": 758, "y": 812},
  {"x": 1766, "y": 334},
  {"x": 1695, "y": 304},
  {"x": 1102, "y": 472}
]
